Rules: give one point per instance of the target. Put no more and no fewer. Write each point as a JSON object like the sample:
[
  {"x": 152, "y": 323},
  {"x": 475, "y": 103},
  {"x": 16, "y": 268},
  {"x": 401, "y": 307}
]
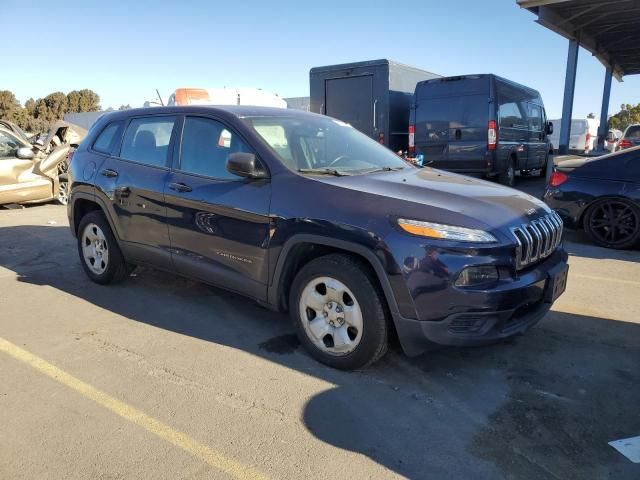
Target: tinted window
[
  {"x": 535, "y": 117},
  {"x": 147, "y": 140},
  {"x": 8, "y": 146},
  {"x": 206, "y": 144},
  {"x": 633, "y": 132},
  {"x": 108, "y": 138},
  {"x": 436, "y": 116},
  {"x": 510, "y": 114}
]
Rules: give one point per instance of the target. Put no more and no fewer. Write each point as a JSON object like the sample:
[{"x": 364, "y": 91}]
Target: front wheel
[
  {"x": 613, "y": 223},
  {"x": 339, "y": 314}
]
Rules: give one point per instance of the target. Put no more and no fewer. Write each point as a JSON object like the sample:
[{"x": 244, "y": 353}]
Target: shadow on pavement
[{"x": 539, "y": 406}]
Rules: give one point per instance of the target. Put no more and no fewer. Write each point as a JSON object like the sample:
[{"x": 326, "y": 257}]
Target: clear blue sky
[{"x": 123, "y": 50}]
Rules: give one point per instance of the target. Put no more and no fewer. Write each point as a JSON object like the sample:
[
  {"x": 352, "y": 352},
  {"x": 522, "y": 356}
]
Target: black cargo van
[
  {"x": 480, "y": 124},
  {"x": 373, "y": 96}
]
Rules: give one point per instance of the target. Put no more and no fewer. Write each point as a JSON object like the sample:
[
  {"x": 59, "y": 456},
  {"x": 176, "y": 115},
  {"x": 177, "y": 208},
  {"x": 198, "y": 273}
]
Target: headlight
[{"x": 445, "y": 232}]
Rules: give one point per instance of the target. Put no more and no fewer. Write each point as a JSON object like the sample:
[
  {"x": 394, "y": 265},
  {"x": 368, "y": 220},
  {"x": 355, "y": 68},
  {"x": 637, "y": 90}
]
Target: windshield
[{"x": 323, "y": 143}]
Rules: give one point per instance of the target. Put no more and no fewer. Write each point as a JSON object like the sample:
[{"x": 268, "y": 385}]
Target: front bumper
[{"x": 482, "y": 317}]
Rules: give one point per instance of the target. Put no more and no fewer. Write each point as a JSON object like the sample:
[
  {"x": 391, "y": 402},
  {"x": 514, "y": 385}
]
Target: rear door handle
[
  {"x": 180, "y": 187},
  {"x": 109, "y": 173}
]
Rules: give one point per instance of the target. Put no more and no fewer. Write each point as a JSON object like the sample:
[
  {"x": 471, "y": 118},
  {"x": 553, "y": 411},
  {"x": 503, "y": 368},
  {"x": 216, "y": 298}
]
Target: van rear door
[
  {"x": 350, "y": 99},
  {"x": 451, "y": 132}
]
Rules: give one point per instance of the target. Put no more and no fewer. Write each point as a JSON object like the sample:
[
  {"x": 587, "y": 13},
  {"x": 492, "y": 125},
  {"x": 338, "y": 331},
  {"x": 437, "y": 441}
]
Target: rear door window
[
  {"x": 147, "y": 139},
  {"x": 439, "y": 115},
  {"x": 109, "y": 138},
  {"x": 206, "y": 145}
]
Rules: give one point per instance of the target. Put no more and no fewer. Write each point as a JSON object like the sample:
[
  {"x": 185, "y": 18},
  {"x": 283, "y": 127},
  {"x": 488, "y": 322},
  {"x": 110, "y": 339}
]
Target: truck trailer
[{"x": 373, "y": 96}]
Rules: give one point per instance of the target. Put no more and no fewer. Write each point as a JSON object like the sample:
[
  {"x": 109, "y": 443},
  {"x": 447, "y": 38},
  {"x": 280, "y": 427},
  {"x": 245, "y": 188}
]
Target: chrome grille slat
[{"x": 537, "y": 239}]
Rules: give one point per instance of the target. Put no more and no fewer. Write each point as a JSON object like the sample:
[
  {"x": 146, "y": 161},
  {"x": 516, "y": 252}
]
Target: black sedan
[{"x": 600, "y": 195}]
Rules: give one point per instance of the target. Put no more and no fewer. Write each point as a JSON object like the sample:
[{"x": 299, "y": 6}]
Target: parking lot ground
[{"x": 160, "y": 377}]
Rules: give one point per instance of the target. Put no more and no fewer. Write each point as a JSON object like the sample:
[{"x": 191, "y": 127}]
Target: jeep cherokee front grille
[{"x": 537, "y": 240}]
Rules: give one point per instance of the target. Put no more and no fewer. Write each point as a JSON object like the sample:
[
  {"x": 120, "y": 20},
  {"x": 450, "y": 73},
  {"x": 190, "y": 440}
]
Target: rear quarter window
[{"x": 108, "y": 138}]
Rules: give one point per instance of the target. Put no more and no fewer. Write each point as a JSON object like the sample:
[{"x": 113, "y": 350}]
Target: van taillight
[
  {"x": 587, "y": 142},
  {"x": 412, "y": 139},
  {"x": 557, "y": 178},
  {"x": 493, "y": 135}
]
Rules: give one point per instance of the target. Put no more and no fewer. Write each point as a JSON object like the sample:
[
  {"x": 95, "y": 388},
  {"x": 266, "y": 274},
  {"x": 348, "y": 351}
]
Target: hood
[
  {"x": 451, "y": 198},
  {"x": 65, "y": 132}
]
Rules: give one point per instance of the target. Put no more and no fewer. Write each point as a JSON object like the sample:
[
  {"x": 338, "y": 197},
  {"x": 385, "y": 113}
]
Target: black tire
[
  {"x": 117, "y": 268},
  {"x": 623, "y": 233},
  {"x": 353, "y": 274},
  {"x": 62, "y": 195},
  {"x": 508, "y": 176}
]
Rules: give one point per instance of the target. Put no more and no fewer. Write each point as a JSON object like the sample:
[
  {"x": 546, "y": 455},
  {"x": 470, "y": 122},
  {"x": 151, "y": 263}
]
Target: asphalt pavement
[{"x": 161, "y": 377}]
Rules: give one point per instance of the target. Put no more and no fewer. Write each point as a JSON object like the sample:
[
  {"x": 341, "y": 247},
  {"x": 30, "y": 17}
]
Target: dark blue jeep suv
[{"x": 301, "y": 212}]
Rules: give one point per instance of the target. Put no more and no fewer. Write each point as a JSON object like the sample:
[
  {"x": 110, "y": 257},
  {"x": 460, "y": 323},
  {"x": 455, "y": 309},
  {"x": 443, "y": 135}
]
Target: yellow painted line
[
  {"x": 181, "y": 440},
  {"x": 604, "y": 279}
]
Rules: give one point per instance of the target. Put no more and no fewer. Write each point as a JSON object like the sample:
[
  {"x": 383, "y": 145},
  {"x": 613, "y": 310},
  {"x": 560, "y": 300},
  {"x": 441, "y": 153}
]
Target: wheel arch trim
[{"x": 274, "y": 290}]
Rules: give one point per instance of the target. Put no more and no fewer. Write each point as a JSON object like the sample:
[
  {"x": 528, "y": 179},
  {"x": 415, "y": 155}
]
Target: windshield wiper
[
  {"x": 384, "y": 169},
  {"x": 324, "y": 171}
]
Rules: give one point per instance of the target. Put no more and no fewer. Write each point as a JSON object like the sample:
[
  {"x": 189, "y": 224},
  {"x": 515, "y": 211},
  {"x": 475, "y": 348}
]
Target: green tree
[
  {"x": 8, "y": 103},
  {"x": 89, "y": 101},
  {"x": 30, "y": 106},
  {"x": 56, "y": 103},
  {"x": 627, "y": 115}
]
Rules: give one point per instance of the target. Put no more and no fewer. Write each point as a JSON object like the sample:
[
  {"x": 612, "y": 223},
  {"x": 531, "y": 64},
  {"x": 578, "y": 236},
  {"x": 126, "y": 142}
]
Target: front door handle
[
  {"x": 109, "y": 173},
  {"x": 180, "y": 187}
]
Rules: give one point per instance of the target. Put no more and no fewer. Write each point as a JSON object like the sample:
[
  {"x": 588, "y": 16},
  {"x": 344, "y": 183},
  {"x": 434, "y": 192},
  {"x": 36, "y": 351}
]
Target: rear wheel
[
  {"x": 99, "y": 252},
  {"x": 508, "y": 176},
  {"x": 613, "y": 223},
  {"x": 339, "y": 314}
]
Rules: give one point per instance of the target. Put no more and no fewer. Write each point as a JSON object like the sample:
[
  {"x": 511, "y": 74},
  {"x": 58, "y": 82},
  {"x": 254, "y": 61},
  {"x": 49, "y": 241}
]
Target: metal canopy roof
[{"x": 609, "y": 29}]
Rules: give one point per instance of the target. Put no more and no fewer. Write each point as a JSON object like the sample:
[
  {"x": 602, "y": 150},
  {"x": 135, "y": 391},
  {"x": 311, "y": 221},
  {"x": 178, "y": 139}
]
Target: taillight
[
  {"x": 492, "y": 131},
  {"x": 412, "y": 139},
  {"x": 587, "y": 142},
  {"x": 624, "y": 143},
  {"x": 557, "y": 178}
]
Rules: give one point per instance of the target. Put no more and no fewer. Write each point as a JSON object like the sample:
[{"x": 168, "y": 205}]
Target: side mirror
[
  {"x": 25, "y": 153},
  {"x": 549, "y": 128},
  {"x": 245, "y": 165}
]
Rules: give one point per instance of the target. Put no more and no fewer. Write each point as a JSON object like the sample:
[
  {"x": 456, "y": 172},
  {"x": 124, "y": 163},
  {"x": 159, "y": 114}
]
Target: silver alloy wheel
[
  {"x": 63, "y": 192},
  {"x": 94, "y": 249},
  {"x": 331, "y": 316}
]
